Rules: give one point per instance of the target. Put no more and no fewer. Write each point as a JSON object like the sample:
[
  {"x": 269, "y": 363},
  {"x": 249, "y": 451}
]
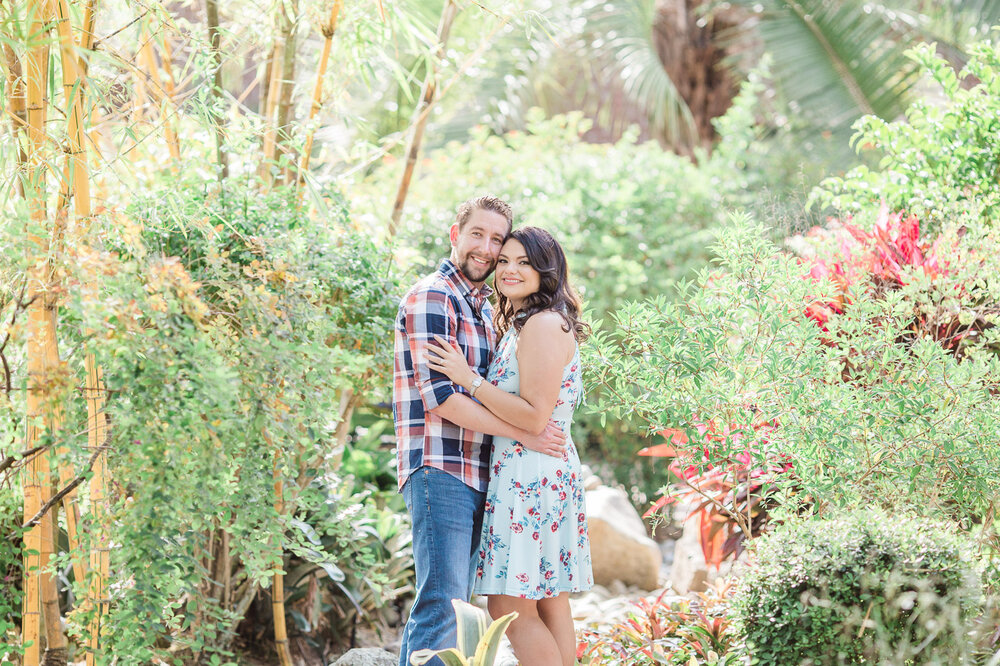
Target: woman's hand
[{"x": 450, "y": 360}]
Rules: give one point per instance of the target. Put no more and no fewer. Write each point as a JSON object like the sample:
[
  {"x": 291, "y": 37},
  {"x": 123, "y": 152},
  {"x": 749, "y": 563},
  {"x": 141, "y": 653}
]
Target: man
[{"x": 443, "y": 436}]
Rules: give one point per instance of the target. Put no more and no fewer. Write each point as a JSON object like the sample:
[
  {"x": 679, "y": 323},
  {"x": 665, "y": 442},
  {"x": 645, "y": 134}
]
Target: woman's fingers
[{"x": 448, "y": 345}]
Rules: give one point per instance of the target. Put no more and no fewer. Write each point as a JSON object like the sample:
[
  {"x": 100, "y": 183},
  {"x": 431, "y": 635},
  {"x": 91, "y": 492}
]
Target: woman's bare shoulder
[{"x": 547, "y": 329}]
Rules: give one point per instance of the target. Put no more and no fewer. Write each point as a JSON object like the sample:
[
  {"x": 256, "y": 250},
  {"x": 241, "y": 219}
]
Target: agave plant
[{"x": 478, "y": 640}]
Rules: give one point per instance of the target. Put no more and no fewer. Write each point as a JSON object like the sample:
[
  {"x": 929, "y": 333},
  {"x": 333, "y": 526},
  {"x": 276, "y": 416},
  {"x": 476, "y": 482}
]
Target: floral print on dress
[{"x": 534, "y": 541}]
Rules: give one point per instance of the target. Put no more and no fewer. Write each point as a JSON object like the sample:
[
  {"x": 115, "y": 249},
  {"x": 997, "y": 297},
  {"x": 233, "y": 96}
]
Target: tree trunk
[
  {"x": 692, "y": 59},
  {"x": 448, "y": 15}
]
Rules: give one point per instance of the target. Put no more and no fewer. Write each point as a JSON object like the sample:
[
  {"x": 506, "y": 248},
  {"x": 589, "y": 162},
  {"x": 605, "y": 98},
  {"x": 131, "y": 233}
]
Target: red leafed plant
[
  {"x": 892, "y": 256},
  {"x": 883, "y": 257},
  {"x": 668, "y": 631},
  {"x": 732, "y": 494}
]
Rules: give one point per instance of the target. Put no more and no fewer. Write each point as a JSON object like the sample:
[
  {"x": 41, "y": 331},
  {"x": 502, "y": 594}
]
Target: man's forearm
[{"x": 463, "y": 411}]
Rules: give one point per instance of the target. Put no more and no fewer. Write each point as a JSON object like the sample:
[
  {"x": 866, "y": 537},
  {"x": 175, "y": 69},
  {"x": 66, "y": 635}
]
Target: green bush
[
  {"x": 10, "y": 568},
  {"x": 867, "y": 587},
  {"x": 228, "y": 326},
  {"x": 942, "y": 157},
  {"x": 866, "y": 411}
]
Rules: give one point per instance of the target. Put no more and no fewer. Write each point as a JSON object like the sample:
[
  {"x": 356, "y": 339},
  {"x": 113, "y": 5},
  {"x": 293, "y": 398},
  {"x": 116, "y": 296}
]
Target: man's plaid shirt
[{"x": 443, "y": 303}]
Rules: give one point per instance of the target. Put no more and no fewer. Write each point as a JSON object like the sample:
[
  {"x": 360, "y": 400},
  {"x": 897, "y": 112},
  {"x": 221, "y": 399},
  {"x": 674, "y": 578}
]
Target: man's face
[{"x": 475, "y": 247}]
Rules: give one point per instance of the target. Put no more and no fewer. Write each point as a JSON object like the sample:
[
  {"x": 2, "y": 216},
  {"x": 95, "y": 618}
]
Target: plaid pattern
[{"x": 443, "y": 303}]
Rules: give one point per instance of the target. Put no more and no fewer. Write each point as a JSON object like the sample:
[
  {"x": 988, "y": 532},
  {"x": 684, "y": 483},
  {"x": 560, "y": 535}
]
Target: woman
[{"x": 534, "y": 548}]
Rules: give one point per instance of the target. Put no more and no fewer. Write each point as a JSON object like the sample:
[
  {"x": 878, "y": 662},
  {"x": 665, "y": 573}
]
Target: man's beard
[{"x": 474, "y": 271}]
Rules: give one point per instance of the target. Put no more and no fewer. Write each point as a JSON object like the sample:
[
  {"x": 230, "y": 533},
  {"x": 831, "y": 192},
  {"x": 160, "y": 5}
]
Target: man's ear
[{"x": 453, "y": 234}]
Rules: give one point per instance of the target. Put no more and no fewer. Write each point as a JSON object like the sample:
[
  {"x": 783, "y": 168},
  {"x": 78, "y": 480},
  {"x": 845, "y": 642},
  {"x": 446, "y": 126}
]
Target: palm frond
[
  {"x": 836, "y": 61},
  {"x": 619, "y": 38}
]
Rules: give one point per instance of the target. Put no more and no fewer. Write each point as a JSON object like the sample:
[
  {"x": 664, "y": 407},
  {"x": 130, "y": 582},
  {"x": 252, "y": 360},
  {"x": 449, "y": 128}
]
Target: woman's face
[{"x": 515, "y": 278}]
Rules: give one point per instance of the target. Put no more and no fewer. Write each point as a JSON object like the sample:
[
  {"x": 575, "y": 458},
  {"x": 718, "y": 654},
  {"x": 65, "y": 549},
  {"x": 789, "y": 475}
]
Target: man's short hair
[{"x": 487, "y": 202}]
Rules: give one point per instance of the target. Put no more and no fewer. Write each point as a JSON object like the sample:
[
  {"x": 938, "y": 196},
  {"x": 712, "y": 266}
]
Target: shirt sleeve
[{"x": 429, "y": 313}]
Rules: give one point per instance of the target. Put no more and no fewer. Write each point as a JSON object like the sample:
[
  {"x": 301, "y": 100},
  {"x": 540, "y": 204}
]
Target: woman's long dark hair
[{"x": 554, "y": 293}]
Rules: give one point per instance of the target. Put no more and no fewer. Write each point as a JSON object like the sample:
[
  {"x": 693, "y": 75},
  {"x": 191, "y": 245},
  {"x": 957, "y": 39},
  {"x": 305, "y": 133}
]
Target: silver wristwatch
[{"x": 476, "y": 383}]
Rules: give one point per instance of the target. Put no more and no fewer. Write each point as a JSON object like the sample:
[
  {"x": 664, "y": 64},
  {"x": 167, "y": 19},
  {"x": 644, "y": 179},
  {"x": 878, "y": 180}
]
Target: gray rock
[
  {"x": 505, "y": 655},
  {"x": 620, "y": 549},
  {"x": 367, "y": 657},
  {"x": 590, "y": 480}
]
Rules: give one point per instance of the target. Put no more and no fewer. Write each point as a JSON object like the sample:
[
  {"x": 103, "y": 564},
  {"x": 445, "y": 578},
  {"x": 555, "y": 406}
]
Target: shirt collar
[{"x": 461, "y": 283}]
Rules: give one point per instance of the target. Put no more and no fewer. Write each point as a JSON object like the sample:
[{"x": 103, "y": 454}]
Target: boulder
[
  {"x": 619, "y": 547},
  {"x": 367, "y": 657},
  {"x": 590, "y": 480}
]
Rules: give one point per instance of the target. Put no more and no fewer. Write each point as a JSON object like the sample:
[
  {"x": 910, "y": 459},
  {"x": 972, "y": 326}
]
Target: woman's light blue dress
[{"x": 534, "y": 542}]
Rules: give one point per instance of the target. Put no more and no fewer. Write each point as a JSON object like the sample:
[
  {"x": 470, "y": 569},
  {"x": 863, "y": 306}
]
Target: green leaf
[
  {"x": 450, "y": 657},
  {"x": 489, "y": 644},
  {"x": 472, "y": 623}
]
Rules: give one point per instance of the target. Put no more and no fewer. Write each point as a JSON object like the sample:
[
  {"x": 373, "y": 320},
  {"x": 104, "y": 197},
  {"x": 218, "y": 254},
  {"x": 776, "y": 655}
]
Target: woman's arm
[{"x": 543, "y": 350}]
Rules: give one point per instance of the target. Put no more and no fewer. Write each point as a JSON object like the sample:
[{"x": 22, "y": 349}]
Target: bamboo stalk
[
  {"x": 278, "y": 582},
  {"x": 87, "y": 34},
  {"x": 349, "y": 400},
  {"x": 448, "y": 15},
  {"x": 77, "y": 181},
  {"x": 328, "y": 31},
  {"x": 215, "y": 39},
  {"x": 16, "y": 107},
  {"x": 168, "y": 68},
  {"x": 273, "y": 88},
  {"x": 148, "y": 59},
  {"x": 139, "y": 99},
  {"x": 36, "y": 482},
  {"x": 264, "y": 83},
  {"x": 283, "y": 134},
  {"x": 73, "y": 91},
  {"x": 99, "y": 554},
  {"x": 56, "y": 646}
]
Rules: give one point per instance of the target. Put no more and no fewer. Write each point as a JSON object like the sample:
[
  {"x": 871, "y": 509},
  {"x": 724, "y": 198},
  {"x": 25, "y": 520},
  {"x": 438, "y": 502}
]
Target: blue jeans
[{"x": 447, "y": 516}]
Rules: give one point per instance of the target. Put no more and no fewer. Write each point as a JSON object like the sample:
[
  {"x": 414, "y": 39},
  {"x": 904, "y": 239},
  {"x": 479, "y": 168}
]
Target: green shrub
[
  {"x": 868, "y": 587},
  {"x": 10, "y": 568},
  {"x": 942, "y": 157},
  {"x": 866, "y": 411},
  {"x": 228, "y": 326}
]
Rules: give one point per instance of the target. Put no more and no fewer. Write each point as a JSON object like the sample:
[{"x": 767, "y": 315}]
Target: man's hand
[{"x": 551, "y": 441}]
